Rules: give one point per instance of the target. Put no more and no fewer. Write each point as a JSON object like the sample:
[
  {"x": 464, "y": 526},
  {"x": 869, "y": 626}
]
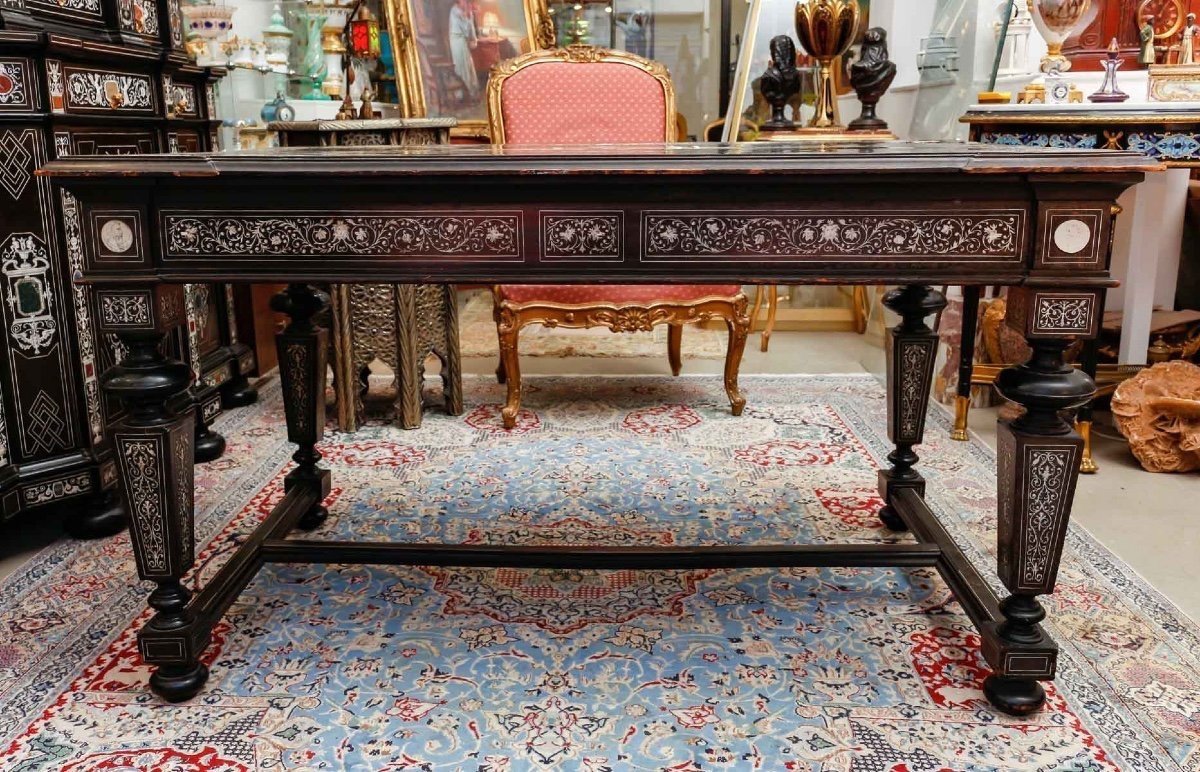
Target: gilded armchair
[{"x": 535, "y": 99}]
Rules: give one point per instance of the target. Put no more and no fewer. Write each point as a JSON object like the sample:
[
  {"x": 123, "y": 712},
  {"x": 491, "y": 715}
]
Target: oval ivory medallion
[
  {"x": 116, "y": 236},
  {"x": 1072, "y": 236}
]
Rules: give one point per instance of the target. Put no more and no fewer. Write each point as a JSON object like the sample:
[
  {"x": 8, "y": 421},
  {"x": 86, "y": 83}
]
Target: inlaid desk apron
[{"x": 897, "y": 214}]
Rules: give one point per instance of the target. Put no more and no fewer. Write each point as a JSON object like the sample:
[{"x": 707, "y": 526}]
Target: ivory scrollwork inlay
[
  {"x": 298, "y": 385},
  {"x": 81, "y": 295},
  {"x": 913, "y": 376},
  {"x": 184, "y": 473},
  {"x": 417, "y": 235},
  {"x": 1064, "y": 313},
  {"x": 1047, "y": 471},
  {"x": 25, "y": 263},
  {"x": 113, "y": 90},
  {"x": 581, "y": 235},
  {"x": 120, "y": 310},
  {"x": 14, "y": 86},
  {"x": 983, "y": 234},
  {"x": 53, "y": 490},
  {"x": 144, "y": 491}
]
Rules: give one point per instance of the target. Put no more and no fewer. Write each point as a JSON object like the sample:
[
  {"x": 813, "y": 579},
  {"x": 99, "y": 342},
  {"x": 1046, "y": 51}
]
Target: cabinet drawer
[
  {"x": 88, "y": 13},
  {"x": 105, "y": 142},
  {"x": 183, "y": 141},
  {"x": 180, "y": 98},
  {"x": 18, "y": 86},
  {"x": 139, "y": 17},
  {"x": 77, "y": 90}
]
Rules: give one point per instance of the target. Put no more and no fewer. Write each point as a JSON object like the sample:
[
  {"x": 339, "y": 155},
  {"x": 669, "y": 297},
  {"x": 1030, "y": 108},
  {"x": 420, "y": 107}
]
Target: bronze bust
[
  {"x": 870, "y": 76},
  {"x": 780, "y": 82}
]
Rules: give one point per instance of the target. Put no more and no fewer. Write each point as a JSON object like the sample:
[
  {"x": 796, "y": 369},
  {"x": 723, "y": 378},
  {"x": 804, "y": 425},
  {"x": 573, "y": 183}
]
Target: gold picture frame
[{"x": 407, "y": 38}]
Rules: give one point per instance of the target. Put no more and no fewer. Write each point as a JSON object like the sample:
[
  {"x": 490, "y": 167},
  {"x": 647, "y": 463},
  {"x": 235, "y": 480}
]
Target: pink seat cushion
[
  {"x": 583, "y": 103},
  {"x": 614, "y": 294}
]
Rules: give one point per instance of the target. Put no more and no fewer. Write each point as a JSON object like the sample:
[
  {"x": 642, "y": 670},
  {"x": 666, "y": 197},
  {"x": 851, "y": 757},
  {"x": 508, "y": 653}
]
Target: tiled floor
[{"x": 1151, "y": 521}]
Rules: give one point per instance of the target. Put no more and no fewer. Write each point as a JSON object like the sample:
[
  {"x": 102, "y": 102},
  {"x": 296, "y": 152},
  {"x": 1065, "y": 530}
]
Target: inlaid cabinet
[{"x": 90, "y": 77}]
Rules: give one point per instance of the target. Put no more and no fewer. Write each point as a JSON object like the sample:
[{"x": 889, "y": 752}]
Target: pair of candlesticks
[{"x": 827, "y": 29}]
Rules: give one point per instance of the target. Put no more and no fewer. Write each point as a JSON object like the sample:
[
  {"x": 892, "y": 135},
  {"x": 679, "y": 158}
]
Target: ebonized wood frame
[{"x": 911, "y": 216}]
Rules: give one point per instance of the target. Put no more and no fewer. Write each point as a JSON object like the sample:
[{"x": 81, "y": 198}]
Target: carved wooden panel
[
  {"x": 18, "y": 85},
  {"x": 98, "y": 90},
  {"x": 34, "y": 308}
]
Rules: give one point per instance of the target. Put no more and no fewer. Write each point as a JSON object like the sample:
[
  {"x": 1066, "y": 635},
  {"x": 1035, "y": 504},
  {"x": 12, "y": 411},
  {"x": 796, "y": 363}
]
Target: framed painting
[{"x": 444, "y": 50}]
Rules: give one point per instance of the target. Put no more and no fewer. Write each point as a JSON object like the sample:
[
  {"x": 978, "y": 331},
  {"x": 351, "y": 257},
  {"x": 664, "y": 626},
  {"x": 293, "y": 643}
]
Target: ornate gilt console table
[{"x": 909, "y": 215}]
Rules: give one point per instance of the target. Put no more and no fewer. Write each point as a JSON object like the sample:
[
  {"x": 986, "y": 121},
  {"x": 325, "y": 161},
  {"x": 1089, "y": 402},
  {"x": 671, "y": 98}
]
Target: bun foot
[
  {"x": 1013, "y": 695},
  {"x": 313, "y": 518},
  {"x": 178, "y": 683},
  {"x": 103, "y": 516},
  {"x": 890, "y": 518},
  {"x": 238, "y": 393},
  {"x": 209, "y": 446}
]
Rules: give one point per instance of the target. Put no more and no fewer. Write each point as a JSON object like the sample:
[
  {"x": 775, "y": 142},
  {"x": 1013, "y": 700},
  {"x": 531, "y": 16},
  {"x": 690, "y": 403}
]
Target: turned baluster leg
[
  {"x": 302, "y": 348},
  {"x": 1037, "y": 468},
  {"x": 911, "y": 351},
  {"x": 154, "y": 450},
  {"x": 966, "y": 362}
]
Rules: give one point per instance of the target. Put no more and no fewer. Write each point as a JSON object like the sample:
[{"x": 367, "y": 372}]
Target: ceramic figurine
[
  {"x": 1108, "y": 90},
  {"x": 1147, "y": 55},
  {"x": 780, "y": 82},
  {"x": 870, "y": 77},
  {"x": 1187, "y": 50},
  {"x": 278, "y": 39}
]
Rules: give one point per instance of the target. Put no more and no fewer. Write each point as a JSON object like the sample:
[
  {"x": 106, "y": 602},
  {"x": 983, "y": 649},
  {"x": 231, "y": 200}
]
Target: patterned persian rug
[
  {"x": 477, "y": 338},
  {"x": 365, "y": 668}
]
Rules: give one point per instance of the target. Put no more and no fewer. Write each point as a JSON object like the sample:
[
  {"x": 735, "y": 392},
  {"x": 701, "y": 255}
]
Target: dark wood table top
[
  {"x": 792, "y": 213},
  {"x": 676, "y": 158}
]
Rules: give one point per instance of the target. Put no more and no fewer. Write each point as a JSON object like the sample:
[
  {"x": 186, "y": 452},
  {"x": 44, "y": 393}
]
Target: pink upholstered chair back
[{"x": 580, "y": 95}]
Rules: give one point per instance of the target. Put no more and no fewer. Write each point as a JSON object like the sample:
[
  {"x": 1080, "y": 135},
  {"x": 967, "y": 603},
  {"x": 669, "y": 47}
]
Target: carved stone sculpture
[
  {"x": 1158, "y": 411},
  {"x": 871, "y": 76},
  {"x": 780, "y": 82}
]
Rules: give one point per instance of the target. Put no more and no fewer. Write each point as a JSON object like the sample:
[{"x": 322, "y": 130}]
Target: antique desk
[{"x": 908, "y": 215}]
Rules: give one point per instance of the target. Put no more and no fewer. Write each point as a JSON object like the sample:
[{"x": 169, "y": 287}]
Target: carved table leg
[
  {"x": 1037, "y": 468},
  {"x": 1089, "y": 361},
  {"x": 911, "y": 353},
  {"x": 508, "y": 327},
  {"x": 302, "y": 350},
  {"x": 675, "y": 347},
  {"x": 966, "y": 362},
  {"x": 452, "y": 364},
  {"x": 153, "y": 447},
  {"x": 739, "y": 324},
  {"x": 410, "y": 358}
]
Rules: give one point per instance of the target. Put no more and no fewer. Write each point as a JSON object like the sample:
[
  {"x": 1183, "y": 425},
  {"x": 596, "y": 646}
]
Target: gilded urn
[
  {"x": 826, "y": 29},
  {"x": 1055, "y": 21}
]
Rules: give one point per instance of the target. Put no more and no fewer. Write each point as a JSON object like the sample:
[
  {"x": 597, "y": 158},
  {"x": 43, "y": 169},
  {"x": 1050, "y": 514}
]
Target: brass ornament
[{"x": 826, "y": 29}]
